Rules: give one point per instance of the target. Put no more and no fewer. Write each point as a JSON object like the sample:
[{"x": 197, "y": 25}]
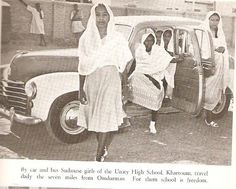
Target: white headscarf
[
  {"x": 90, "y": 40},
  {"x": 170, "y": 46},
  {"x": 95, "y": 52},
  {"x": 145, "y": 36},
  {"x": 220, "y": 32},
  {"x": 157, "y": 61},
  {"x": 220, "y": 41}
]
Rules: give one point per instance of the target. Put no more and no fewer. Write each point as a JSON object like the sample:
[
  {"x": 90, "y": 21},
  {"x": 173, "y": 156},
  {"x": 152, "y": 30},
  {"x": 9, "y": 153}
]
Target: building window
[
  {"x": 80, "y": 1},
  {"x": 77, "y": 1}
]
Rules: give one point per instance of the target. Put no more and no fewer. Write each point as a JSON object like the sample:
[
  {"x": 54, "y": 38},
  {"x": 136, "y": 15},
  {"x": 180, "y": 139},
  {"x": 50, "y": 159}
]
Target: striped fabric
[
  {"x": 104, "y": 111},
  {"x": 145, "y": 93}
]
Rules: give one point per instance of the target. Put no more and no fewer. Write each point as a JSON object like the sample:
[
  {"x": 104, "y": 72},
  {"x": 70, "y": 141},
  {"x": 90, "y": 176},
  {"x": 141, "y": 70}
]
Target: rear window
[{"x": 124, "y": 29}]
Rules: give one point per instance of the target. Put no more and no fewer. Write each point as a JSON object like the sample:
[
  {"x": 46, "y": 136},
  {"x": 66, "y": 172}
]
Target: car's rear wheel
[
  {"x": 223, "y": 105},
  {"x": 62, "y": 120}
]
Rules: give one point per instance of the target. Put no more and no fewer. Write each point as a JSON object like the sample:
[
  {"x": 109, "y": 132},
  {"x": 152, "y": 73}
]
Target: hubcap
[{"x": 68, "y": 118}]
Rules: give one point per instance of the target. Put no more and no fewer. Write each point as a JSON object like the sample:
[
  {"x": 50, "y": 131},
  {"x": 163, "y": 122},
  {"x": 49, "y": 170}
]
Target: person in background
[
  {"x": 216, "y": 84},
  {"x": 103, "y": 57},
  {"x": 37, "y": 25},
  {"x": 158, "y": 34},
  {"x": 168, "y": 44},
  {"x": 77, "y": 27}
]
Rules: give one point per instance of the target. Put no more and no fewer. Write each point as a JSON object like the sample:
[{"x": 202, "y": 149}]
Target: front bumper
[{"x": 12, "y": 116}]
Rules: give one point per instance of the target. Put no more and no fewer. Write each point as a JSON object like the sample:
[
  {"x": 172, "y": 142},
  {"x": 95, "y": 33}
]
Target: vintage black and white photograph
[{"x": 130, "y": 81}]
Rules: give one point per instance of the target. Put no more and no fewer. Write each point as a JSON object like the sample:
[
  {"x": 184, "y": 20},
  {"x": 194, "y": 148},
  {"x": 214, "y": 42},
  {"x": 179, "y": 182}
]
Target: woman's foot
[
  {"x": 211, "y": 124},
  {"x": 99, "y": 158},
  {"x": 152, "y": 128},
  {"x": 102, "y": 157},
  {"x": 125, "y": 126}
]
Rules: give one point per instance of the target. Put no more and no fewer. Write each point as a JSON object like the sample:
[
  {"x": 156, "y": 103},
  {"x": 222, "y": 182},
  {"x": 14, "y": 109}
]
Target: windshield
[{"x": 124, "y": 29}]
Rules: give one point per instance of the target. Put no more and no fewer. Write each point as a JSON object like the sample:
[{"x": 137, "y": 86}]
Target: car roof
[{"x": 161, "y": 20}]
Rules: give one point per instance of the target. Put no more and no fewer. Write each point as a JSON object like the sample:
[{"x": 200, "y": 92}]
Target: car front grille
[{"x": 12, "y": 94}]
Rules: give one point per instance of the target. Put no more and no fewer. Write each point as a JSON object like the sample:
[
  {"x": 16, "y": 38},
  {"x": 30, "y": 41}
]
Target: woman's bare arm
[{"x": 82, "y": 95}]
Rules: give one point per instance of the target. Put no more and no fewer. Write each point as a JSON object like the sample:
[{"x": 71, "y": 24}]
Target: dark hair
[
  {"x": 101, "y": 5},
  {"x": 75, "y": 5},
  {"x": 151, "y": 35},
  {"x": 167, "y": 31},
  {"x": 158, "y": 31},
  {"x": 215, "y": 14},
  {"x": 216, "y": 30}
]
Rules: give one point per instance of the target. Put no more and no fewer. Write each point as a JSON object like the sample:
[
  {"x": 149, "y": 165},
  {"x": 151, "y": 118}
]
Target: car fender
[
  {"x": 49, "y": 88},
  {"x": 4, "y": 69},
  {"x": 231, "y": 73}
]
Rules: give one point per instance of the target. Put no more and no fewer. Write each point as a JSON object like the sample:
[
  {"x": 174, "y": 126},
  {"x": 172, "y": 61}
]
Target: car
[{"x": 42, "y": 86}]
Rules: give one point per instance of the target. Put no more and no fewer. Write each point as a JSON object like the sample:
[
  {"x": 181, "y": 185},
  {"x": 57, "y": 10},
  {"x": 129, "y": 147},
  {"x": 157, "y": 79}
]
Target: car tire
[
  {"x": 223, "y": 106},
  {"x": 62, "y": 123}
]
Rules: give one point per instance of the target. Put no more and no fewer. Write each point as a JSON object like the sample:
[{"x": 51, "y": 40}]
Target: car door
[{"x": 189, "y": 80}]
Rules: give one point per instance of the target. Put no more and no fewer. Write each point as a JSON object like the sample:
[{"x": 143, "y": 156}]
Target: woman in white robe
[
  {"x": 216, "y": 84},
  {"x": 77, "y": 27},
  {"x": 158, "y": 35},
  {"x": 103, "y": 56},
  {"x": 37, "y": 25},
  {"x": 168, "y": 44},
  {"x": 146, "y": 80}
]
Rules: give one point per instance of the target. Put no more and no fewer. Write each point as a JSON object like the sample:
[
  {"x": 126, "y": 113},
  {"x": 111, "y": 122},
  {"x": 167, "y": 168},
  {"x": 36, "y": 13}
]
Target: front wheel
[{"x": 62, "y": 120}]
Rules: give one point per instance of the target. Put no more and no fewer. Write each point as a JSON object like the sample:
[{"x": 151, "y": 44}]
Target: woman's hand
[
  {"x": 82, "y": 97},
  {"x": 220, "y": 49},
  {"x": 178, "y": 58},
  {"x": 126, "y": 92}
]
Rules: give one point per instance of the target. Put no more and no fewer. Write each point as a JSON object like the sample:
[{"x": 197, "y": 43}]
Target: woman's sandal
[
  {"x": 102, "y": 158},
  {"x": 212, "y": 124},
  {"x": 105, "y": 152}
]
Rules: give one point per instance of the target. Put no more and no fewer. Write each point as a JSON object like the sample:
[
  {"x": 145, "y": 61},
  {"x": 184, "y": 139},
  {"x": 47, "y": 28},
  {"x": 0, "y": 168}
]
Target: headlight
[
  {"x": 6, "y": 71},
  {"x": 31, "y": 90}
]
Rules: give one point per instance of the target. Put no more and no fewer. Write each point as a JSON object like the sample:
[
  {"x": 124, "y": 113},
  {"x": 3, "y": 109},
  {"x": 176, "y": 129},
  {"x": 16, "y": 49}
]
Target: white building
[
  {"x": 226, "y": 7},
  {"x": 175, "y": 5}
]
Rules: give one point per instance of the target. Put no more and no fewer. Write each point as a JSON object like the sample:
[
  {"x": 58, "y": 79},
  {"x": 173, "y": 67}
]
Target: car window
[
  {"x": 184, "y": 44},
  {"x": 124, "y": 29},
  {"x": 204, "y": 44}
]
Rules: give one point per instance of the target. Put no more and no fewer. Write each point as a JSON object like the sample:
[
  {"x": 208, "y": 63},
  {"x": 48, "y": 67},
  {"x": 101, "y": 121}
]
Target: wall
[
  {"x": 226, "y": 7},
  {"x": 57, "y": 19},
  {"x": 21, "y": 18}
]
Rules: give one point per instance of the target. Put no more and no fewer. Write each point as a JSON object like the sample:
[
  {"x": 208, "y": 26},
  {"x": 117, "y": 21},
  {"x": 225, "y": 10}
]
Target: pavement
[{"x": 4, "y": 126}]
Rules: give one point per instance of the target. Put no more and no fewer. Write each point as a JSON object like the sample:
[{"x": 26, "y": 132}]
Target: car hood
[{"x": 29, "y": 64}]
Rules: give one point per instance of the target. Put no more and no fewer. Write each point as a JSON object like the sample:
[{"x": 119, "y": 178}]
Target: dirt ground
[{"x": 180, "y": 137}]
